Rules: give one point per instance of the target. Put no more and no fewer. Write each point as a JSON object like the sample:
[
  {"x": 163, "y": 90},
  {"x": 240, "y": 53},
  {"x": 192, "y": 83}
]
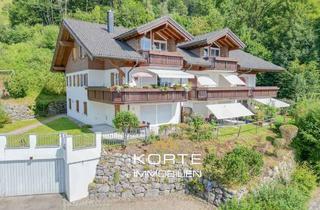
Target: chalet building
[{"x": 156, "y": 70}]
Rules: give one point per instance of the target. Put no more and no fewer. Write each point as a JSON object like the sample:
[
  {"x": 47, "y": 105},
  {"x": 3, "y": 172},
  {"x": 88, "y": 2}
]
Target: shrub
[
  {"x": 4, "y": 118},
  {"x": 288, "y": 132},
  {"x": 125, "y": 120},
  {"x": 276, "y": 197},
  {"x": 236, "y": 167},
  {"x": 304, "y": 178},
  {"x": 307, "y": 142},
  {"x": 203, "y": 133},
  {"x": 17, "y": 86}
]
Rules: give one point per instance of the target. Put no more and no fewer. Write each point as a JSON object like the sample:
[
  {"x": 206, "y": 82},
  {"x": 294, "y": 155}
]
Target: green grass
[
  {"x": 17, "y": 124},
  {"x": 61, "y": 125},
  {"x": 48, "y": 134}
]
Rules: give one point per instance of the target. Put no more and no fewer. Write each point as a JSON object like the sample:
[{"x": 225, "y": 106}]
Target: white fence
[{"x": 79, "y": 166}]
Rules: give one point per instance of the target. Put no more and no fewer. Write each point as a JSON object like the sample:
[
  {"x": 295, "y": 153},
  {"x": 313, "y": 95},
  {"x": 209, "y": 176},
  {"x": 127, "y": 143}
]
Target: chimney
[{"x": 110, "y": 22}]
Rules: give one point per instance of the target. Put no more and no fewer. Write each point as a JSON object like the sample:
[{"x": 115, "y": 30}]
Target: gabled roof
[
  {"x": 248, "y": 61},
  {"x": 210, "y": 38},
  {"x": 192, "y": 58},
  {"x": 154, "y": 24},
  {"x": 98, "y": 42}
]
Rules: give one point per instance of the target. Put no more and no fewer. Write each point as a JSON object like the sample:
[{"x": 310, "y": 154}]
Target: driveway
[
  {"x": 57, "y": 202},
  {"x": 34, "y": 202}
]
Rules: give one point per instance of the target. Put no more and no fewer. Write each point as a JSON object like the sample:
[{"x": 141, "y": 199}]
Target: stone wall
[
  {"x": 115, "y": 178},
  {"x": 58, "y": 107},
  {"x": 19, "y": 112}
]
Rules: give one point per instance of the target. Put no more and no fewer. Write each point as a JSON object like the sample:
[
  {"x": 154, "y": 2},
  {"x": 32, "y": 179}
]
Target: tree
[{"x": 124, "y": 121}]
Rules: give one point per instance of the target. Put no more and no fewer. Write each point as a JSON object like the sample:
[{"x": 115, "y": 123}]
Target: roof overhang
[
  {"x": 171, "y": 74},
  {"x": 272, "y": 102},
  {"x": 161, "y": 23}
]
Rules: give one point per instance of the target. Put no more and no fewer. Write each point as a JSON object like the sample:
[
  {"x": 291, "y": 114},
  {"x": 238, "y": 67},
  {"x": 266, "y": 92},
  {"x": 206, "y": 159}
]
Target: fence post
[
  {"x": 98, "y": 140},
  {"x": 32, "y": 141},
  {"x": 239, "y": 131},
  {"x": 3, "y": 142}
]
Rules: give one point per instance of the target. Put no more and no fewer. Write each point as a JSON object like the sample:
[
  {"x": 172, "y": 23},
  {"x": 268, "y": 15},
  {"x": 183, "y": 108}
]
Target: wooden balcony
[
  {"x": 223, "y": 63},
  {"x": 264, "y": 92},
  {"x": 162, "y": 58},
  {"x": 135, "y": 95},
  {"x": 233, "y": 93}
]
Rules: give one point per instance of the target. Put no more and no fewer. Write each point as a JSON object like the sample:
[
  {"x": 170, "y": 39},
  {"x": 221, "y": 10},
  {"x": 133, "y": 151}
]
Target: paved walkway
[
  {"x": 315, "y": 200},
  {"x": 34, "y": 125},
  {"x": 57, "y": 202}
]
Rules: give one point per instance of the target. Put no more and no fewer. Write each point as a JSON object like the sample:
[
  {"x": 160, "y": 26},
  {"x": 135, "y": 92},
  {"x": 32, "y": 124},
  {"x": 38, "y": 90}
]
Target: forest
[{"x": 284, "y": 32}]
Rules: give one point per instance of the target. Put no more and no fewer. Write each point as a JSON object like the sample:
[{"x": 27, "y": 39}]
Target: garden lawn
[
  {"x": 61, "y": 125},
  {"x": 48, "y": 134},
  {"x": 17, "y": 124}
]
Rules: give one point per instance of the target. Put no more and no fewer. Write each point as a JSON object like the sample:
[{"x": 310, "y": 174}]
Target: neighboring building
[{"x": 109, "y": 69}]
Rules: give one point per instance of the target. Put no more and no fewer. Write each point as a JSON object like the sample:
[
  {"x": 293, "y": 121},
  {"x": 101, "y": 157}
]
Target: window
[
  {"x": 74, "y": 80},
  {"x": 81, "y": 80},
  {"x": 206, "y": 52},
  {"x": 145, "y": 43},
  {"x": 114, "y": 79},
  {"x": 78, "y": 80},
  {"x": 67, "y": 81},
  {"x": 159, "y": 45},
  {"x": 211, "y": 51},
  {"x": 69, "y": 102},
  {"x": 77, "y": 105},
  {"x": 70, "y": 81},
  {"x": 85, "y": 108},
  {"x": 85, "y": 79},
  {"x": 215, "y": 52}
]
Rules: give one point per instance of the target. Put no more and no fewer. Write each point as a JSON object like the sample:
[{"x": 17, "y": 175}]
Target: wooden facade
[
  {"x": 163, "y": 58},
  {"x": 223, "y": 63},
  {"x": 135, "y": 95},
  {"x": 232, "y": 93}
]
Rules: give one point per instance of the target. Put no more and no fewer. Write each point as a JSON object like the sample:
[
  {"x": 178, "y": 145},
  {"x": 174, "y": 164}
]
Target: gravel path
[
  {"x": 315, "y": 200},
  {"x": 34, "y": 125}
]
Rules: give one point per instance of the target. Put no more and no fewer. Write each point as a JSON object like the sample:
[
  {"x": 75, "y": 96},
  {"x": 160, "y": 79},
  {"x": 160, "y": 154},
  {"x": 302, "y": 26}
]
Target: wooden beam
[
  {"x": 173, "y": 33},
  {"x": 66, "y": 44},
  {"x": 161, "y": 35},
  {"x": 166, "y": 34},
  {"x": 59, "y": 68},
  {"x": 116, "y": 66}
]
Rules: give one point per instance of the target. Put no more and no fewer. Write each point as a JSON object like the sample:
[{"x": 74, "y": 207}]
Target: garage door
[{"x": 31, "y": 177}]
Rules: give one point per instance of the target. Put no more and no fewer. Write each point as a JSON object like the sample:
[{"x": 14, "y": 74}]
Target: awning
[
  {"x": 174, "y": 74},
  {"x": 272, "y": 102},
  {"x": 233, "y": 79},
  {"x": 206, "y": 81},
  {"x": 228, "y": 111},
  {"x": 142, "y": 74}
]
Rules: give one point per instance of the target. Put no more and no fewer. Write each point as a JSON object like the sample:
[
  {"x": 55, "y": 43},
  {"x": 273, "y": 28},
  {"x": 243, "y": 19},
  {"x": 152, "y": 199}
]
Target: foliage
[
  {"x": 203, "y": 133},
  {"x": 307, "y": 142},
  {"x": 4, "y": 118},
  {"x": 304, "y": 178},
  {"x": 125, "y": 120},
  {"x": 236, "y": 167},
  {"x": 195, "y": 186},
  {"x": 17, "y": 86},
  {"x": 291, "y": 196}
]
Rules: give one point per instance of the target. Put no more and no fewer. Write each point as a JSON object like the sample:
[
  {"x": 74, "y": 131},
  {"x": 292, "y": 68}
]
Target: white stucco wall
[
  {"x": 80, "y": 165},
  {"x": 156, "y": 114}
]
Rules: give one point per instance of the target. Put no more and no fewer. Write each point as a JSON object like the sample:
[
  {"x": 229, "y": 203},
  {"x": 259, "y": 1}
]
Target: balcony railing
[
  {"x": 163, "y": 58},
  {"x": 264, "y": 92},
  {"x": 236, "y": 93},
  {"x": 135, "y": 95},
  {"x": 223, "y": 63}
]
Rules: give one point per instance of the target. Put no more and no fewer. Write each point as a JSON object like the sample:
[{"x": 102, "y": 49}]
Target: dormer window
[
  {"x": 159, "y": 45},
  {"x": 211, "y": 51},
  {"x": 145, "y": 43},
  {"x": 215, "y": 52}
]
